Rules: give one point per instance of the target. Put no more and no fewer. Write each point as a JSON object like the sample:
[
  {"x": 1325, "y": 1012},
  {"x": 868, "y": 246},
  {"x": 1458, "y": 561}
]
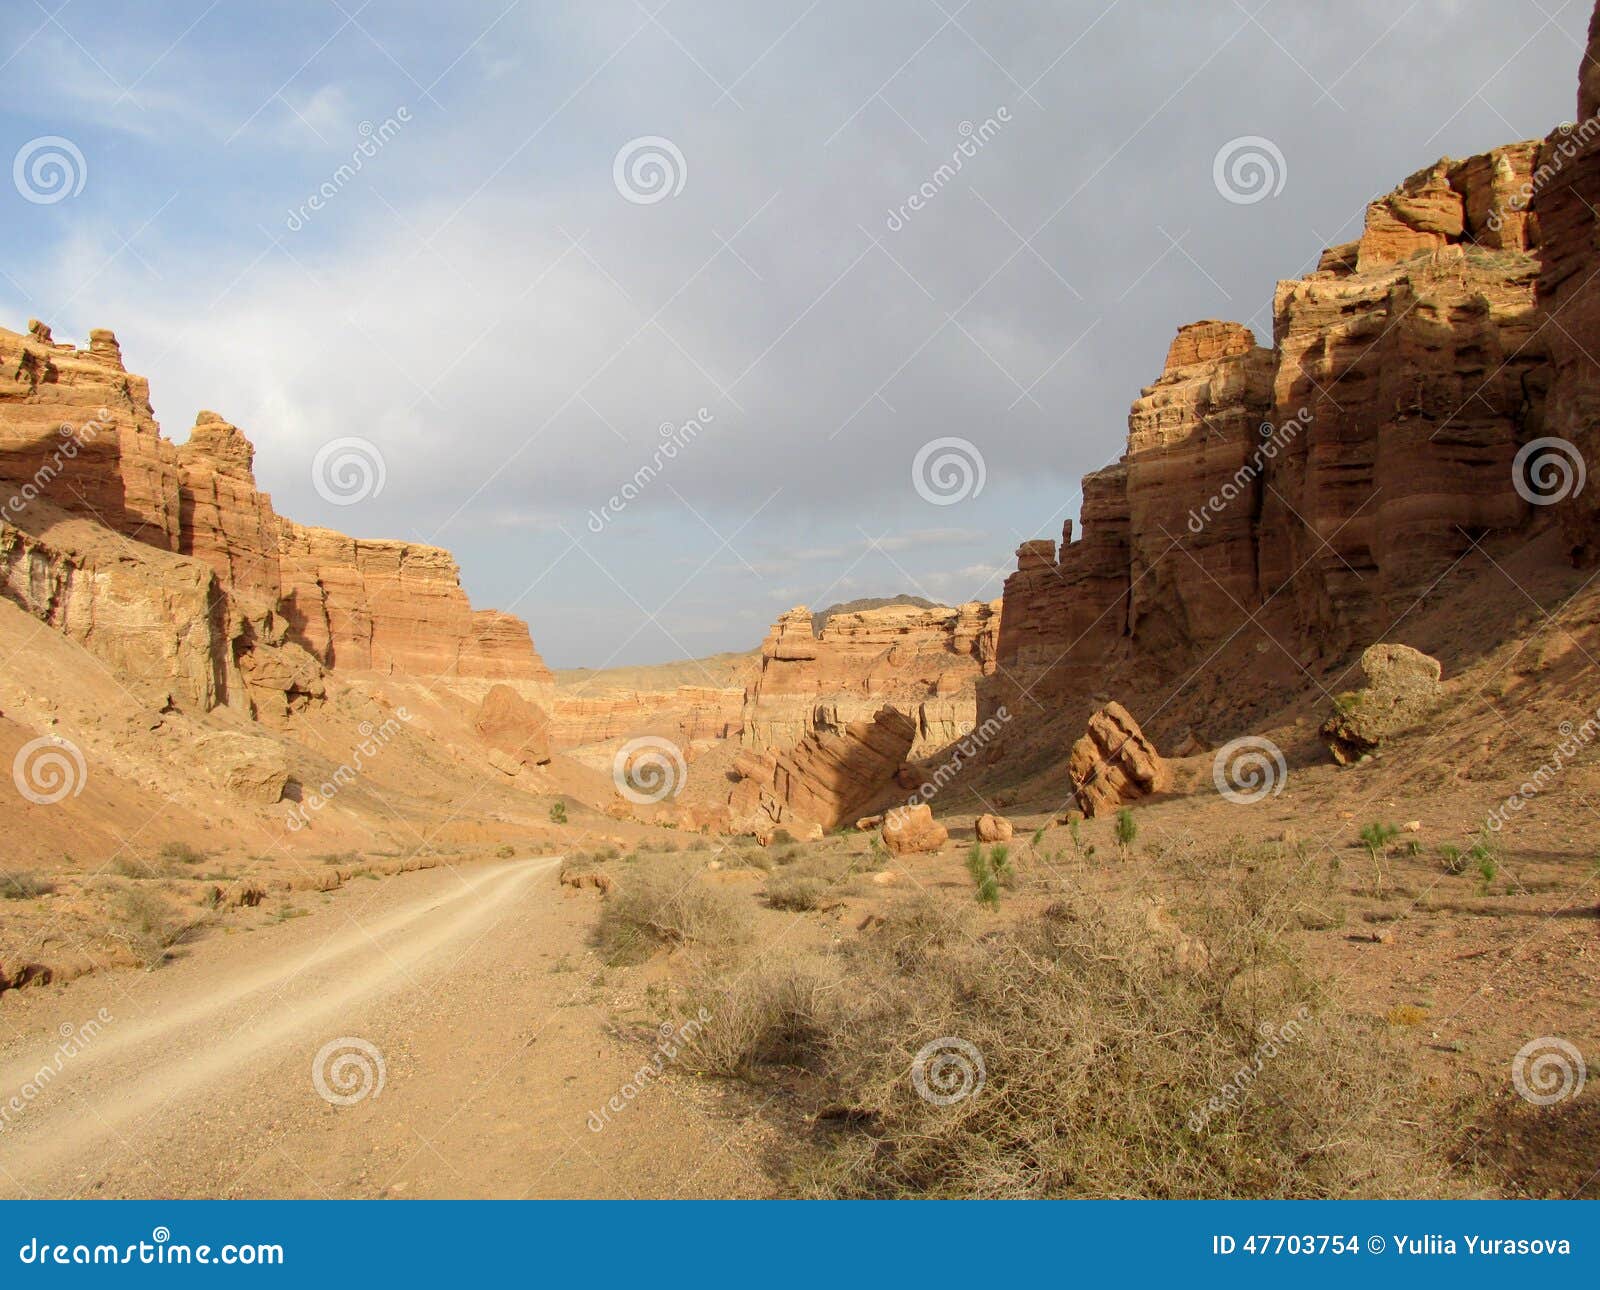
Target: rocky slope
[{"x": 1277, "y": 509}]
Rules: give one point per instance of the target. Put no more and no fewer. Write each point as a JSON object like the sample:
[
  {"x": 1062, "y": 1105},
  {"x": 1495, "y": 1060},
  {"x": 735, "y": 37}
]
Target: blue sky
[{"x": 484, "y": 305}]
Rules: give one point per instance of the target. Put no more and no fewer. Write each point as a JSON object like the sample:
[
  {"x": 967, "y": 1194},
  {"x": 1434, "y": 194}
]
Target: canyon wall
[
  {"x": 1301, "y": 497},
  {"x": 926, "y": 662},
  {"x": 172, "y": 566}
]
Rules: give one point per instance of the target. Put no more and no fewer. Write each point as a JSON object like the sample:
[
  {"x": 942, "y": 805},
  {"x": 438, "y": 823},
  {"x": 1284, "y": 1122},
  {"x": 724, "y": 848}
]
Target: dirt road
[{"x": 442, "y": 1033}]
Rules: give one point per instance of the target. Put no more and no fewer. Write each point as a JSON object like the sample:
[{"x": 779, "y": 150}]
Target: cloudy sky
[{"x": 455, "y": 267}]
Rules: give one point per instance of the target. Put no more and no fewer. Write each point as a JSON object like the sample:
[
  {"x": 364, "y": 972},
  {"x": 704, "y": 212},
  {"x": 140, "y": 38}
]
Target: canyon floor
[{"x": 502, "y": 1026}]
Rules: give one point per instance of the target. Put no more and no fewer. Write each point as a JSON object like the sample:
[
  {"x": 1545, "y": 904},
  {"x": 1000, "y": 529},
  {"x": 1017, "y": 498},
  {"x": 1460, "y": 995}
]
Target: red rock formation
[
  {"x": 1311, "y": 491},
  {"x": 829, "y": 776},
  {"x": 926, "y": 662},
  {"x": 56, "y": 399},
  {"x": 508, "y": 723},
  {"x": 912, "y": 830},
  {"x": 1563, "y": 193},
  {"x": 1114, "y": 764},
  {"x": 77, "y": 435}
]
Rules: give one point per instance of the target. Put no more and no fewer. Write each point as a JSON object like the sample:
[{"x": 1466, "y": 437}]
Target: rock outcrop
[
  {"x": 1300, "y": 498},
  {"x": 1562, "y": 195},
  {"x": 1402, "y": 684},
  {"x": 1114, "y": 764},
  {"x": 511, "y": 725},
  {"x": 82, "y": 459},
  {"x": 828, "y": 777},
  {"x": 925, "y": 661}
]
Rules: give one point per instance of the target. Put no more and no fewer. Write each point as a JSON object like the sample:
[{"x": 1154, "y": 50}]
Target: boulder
[
  {"x": 828, "y": 777},
  {"x": 909, "y": 830},
  {"x": 992, "y": 828},
  {"x": 513, "y": 727},
  {"x": 249, "y": 766},
  {"x": 1402, "y": 684},
  {"x": 1114, "y": 764}
]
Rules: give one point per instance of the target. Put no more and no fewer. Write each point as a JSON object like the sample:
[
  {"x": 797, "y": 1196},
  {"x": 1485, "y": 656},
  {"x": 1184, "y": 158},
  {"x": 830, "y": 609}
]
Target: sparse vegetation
[
  {"x": 24, "y": 886},
  {"x": 669, "y": 905},
  {"x": 985, "y": 876},
  {"x": 796, "y": 892},
  {"x": 1103, "y": 1063},
  {"x": 1127, "y": 831},
  {"x": 147, "y": 923},
  {"x": 558, "y": 813},
  {"x": 1376, "y": 837},
  {"x": 180, "y": 853}
]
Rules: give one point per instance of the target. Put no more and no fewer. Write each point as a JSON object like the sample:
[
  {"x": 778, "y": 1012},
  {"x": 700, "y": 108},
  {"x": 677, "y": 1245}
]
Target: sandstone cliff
[
  {"x": 173, "y": 567},
  {"x": 925, "y": 661},
  {"x": 1298, "y": 499}
]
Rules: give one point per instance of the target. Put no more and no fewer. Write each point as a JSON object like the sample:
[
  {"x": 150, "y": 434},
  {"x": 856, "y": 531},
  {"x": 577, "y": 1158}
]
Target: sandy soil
[{"x": 476, "y": 988}]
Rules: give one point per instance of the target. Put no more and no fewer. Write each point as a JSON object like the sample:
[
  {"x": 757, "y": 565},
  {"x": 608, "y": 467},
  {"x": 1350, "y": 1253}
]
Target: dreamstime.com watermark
[
  {"x": 649, "y": 169},
  {"x": 649, "y": 769},
  {"x": 1548, "y": 1070},
  {"x": 74, "y": 1039},
  {"x": 974, "y": 138},
  {"x": 1248, "y": 769},
  {"x": 948, "y": 1070},
  {"x": 1574, "y": 739},
  {"x": 348, "y": 470},
  {"x": 374, "y": 739},
  {"x": 1232, "y": 1094},
  {"x": 962, "y": 751},
  {"x": 1249, "y": 169},
  {"x": 1274, "y": 439},
  {"x": 674, "y": 439},
  {"x": 374, "y": 138},
  {"x": 48, "y": 170},
  {"x": 160, "y": 1249},
  {"x": 948, "y": 470},
  {"x": 1548, "y": 470},
  {"x": 348, "y": 1070},
  {"x": 49, "y": 769},
  {"x": 669, "y": 1041},
  {"x": 73, "y": 440},
  {"x": 1553, "y": 159}
]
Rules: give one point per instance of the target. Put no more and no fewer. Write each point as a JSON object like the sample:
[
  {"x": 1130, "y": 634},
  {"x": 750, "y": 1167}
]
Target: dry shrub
[
  {"x": 1106, "y": 1060},
  {"x": 809, "y": 884},
  {"x": 761, "y": 1018},
  {"x": 24, "y": 886},
  {"x": 147, "y": 923},
  {"x": 669, "y": 904}
]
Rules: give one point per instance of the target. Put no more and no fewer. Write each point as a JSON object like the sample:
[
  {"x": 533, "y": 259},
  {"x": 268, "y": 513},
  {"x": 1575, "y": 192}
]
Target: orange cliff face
[
  {"x": 81, "y": 453},
  {"x": 924, "y": 662},
  {"x": 1304, "y": 495}
]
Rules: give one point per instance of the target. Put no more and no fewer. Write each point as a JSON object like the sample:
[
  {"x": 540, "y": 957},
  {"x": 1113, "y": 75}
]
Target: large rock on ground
[
  {"x": 513, "y": 727},
  {"x": 1114, "y": 764},
  {"x": 827, "y": 777},
  {"x": 911, "y": 830},
  {"x": 1402, "y": 684},
  {"x": 992, "y": 828}
]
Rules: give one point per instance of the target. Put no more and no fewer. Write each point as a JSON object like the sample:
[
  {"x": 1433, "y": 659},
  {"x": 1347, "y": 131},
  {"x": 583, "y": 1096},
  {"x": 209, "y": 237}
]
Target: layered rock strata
[
  {"x": 828, "y": 777},
  {"x": 173, "y": 567},
  {"x": 1308, "y": 493},
  {"x": 925, "y": 661}
]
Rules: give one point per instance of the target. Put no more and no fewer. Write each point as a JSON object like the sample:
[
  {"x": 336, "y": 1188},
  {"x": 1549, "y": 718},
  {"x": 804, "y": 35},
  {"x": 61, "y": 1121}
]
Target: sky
[{"x": 667, "y": 316}]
